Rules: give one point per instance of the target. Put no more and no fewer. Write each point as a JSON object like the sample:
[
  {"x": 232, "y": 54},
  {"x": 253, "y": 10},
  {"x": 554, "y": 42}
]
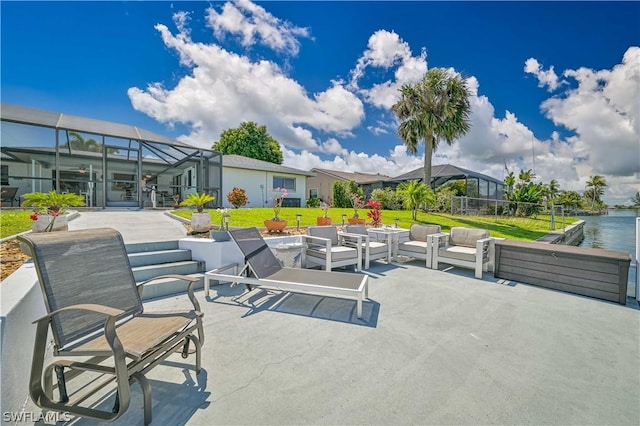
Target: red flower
[{"x": 34, "y": 216}]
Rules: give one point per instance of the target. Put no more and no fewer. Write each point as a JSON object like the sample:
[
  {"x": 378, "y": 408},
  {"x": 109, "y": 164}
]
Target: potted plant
[
  {"x": 375, "y": 214},
  {"x": 275, "y": 223},
  {"x": 49, "y": 209},
  {"x": 200, "y": 221},
  {"x": 176, "y": 201},
  {"x": 324, "y": 219},
  {"x": 357, "y": 204}
]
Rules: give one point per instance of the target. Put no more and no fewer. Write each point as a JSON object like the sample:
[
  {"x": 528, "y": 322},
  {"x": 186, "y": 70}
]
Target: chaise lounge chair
[
  {"x": 263, "y": 269},
  {"x": 95, "y": 312}
]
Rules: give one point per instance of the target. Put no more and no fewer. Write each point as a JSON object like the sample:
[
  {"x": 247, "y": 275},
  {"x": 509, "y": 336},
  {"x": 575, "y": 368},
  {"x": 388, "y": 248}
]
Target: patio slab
[{"x": 433, "y": 347}]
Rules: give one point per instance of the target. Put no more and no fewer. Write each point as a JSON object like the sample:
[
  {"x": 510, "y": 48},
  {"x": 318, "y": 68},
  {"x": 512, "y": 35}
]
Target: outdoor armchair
[
  {"x": 372, "y": 249},
  {"x": 95, "y": 311},
  {"x": 464, "y": 247},
  {"x": 8, "y": 194},
  {"x": 330, "y": 249},
  {"x": 418, "y": 244}
]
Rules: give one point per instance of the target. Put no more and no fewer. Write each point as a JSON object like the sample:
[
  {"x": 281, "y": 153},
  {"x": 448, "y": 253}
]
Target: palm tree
[
  {"x": 435, "y": 108},
  {"x": 526, "y": 176},
  {"x": 595, "y": 185},
  {"x": 414, "y": 194},
  {"x": 550, "y": 191},
  {"x": 636, "y": 199},
  {"x": 77, "y": 142}
]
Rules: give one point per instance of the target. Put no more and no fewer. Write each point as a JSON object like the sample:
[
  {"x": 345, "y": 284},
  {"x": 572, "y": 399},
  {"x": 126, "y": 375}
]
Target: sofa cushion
[
  {"x": 338, "y": 253},
  {"x": 356, "y": 229},
  {"x": 376, "y": 248},
  {"x": 330, "y": 232},
  {"x": 466, "y": 237},
  {"x": 421, "y": 232},
  {"x": 457, "y": 252},
  {"x": 414, "y": 246}
]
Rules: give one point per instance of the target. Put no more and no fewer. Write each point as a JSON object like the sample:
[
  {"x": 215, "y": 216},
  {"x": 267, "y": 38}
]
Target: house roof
[
  {"x": 57, "y": 120},
  {"x": 443, "y": 172},
  {"x": 357, "y": 177},
  {"x": 241, "y": 162}
]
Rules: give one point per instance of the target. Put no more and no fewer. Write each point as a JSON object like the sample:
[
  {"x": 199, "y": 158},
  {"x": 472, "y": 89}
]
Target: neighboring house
[
  {"x": 321, "y": 185},
  {"x": 258, "y": 178},
  {"x": 478, "y": 185}
]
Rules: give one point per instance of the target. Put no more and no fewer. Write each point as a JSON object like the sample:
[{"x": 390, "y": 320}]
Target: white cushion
[
  {"x": 414, "y": 246},
  {"x": 458, "y": 252},
  {"x": 337, "y": 253}
]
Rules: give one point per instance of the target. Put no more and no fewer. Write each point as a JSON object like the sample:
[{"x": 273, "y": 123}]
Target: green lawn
[{"x": 15, "y": 221}]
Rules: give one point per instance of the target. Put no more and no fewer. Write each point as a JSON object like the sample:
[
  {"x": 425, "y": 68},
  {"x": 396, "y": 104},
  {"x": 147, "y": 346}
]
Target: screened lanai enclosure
[
  {"x": 482, "y": 191},
  {"x": 110, "y": 164}
]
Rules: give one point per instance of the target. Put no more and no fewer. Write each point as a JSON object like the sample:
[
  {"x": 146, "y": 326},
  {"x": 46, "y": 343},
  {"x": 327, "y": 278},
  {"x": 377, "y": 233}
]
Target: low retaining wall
[
  {"x": 598, "y": 273},
  {"x": 571, "y": 235}
]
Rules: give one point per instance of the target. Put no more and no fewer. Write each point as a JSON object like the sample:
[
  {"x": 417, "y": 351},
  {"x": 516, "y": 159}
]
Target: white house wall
[{"x": 250, "y": 181}]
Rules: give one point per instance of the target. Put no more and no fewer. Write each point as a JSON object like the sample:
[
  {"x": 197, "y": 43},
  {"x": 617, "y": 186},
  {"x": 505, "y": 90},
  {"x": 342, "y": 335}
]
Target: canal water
[{"x": 615, "y": 231}]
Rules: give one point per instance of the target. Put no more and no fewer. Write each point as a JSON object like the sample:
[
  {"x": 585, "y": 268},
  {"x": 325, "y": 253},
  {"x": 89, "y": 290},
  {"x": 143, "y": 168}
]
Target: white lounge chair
[
  {"x": 330, "y": 249},
  {"x": 263, "y": 269},
  {"x": 418, "y": 243},
  {"x": 465, "y": 247},
  {"x": 372, "y": 249}
]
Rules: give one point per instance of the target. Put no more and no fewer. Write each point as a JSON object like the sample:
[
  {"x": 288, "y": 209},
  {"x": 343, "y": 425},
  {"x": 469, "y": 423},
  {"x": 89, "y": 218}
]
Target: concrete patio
[{"x": 433, "y": 347}]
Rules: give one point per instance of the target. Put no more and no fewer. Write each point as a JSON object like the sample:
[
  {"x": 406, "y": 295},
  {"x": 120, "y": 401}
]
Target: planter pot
[
  {"x": 201, "y": 222},
  {"x": 354, "y": 221},
  {"x": 40, "y": 225},
  {"x": 323, "y": 221},
  {"x": 275, "y": 225}
]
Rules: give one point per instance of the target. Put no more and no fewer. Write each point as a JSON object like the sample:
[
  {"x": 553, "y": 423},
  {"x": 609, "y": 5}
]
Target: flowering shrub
[
  {"x": 357, "y": 203},
  {"x": 325, "y": 209},
  {"x": 237, "y": 197},
  {"x": 223, "y": 214},
  {"x": 279, "y": 195},
  {"x": 375, "y": 214}
]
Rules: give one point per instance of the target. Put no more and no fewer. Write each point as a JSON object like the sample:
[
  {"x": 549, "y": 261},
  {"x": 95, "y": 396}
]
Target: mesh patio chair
[{"x": 95, "y": 310}]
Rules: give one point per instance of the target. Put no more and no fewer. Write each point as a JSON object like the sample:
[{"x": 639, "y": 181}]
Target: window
[
  {"x": 284, "y": 182},
  {"x": 313, "y": 193},
  {"x": 4, "y": 175},
  {"x": 122, "y": 181}
]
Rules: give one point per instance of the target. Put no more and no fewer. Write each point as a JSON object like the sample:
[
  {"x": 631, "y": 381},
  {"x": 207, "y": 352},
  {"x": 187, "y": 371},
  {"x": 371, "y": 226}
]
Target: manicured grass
[
  {"x": 14, "y": 222},
  {"x": 525, "y": 229}
]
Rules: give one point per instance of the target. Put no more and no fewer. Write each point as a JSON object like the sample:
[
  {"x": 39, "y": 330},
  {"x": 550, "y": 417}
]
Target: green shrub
[{"x": 313, "y": 202}]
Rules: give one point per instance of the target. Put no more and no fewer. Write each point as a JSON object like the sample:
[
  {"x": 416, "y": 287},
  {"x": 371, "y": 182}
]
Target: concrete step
[
  {"x": 151, "y": 246},
  {"x": 168, "y": 286},
  {"x": 144, "y": 258},
  {"x": 142, "y": 273}
]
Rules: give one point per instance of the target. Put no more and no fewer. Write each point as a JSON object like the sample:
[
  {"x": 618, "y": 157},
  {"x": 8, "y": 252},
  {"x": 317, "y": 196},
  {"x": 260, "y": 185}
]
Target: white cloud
[
  {"x": 385, "y": 50},
  {"x": 224, "y": 89},
  {"x": 253, "y": 24},
  {"x": 545, "y": 78}
]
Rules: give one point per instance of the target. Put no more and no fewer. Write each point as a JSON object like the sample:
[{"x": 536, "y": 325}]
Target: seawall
[{"x": 571, "y": 235}]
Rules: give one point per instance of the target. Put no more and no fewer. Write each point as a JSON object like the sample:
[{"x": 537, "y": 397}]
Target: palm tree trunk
[{"x": 428, "y": 154}]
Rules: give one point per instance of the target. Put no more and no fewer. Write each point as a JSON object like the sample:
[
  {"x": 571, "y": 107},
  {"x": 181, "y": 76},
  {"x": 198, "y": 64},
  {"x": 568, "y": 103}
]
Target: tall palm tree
[
  {"x": 596, "y": 184},
  {"x": 550, "y": 191},
  {"x": 435, "y": 108},
  {"x": 636, "y": 199}
]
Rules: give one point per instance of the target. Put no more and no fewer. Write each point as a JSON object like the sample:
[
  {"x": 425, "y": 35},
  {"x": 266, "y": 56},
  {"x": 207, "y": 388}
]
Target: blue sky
[{"x": 558, "y": 81}]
